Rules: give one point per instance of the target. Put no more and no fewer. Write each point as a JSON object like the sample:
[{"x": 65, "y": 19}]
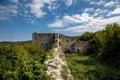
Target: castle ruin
[{"x": 68, "y": 44}]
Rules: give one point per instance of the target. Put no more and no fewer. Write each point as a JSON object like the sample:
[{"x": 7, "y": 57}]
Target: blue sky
[{"x": 20, "y": 18}]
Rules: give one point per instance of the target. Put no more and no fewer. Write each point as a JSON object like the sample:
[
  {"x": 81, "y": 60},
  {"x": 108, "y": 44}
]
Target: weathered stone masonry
[{"x": 68, "y": 44}]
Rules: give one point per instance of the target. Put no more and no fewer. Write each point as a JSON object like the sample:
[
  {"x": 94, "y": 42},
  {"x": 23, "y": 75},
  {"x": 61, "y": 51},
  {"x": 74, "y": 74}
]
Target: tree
[
  {"x": 108, "y": 43},
  {"x": 85, "y": 36}
]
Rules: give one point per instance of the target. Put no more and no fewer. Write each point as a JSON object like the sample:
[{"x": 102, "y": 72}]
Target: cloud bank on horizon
[{"x": 71, "y": 16}]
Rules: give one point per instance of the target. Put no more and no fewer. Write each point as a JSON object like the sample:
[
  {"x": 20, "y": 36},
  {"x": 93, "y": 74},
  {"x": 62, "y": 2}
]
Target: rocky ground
[{"x": 55, "y": 65}]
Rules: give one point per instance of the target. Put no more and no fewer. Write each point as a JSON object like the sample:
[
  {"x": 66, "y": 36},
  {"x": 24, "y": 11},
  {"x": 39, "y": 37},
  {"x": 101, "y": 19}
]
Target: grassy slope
[{"x": 88, "y": 68}]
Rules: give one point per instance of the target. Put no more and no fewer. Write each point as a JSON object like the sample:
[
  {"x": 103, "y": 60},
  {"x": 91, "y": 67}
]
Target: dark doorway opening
[
  {"x": 59, "y": 36},
  {"x": 59, "y": 43},
  {"x": 78, "y": 51},
  {"x": 67, "y": 51},
  {"x": 67, "y": 40}
]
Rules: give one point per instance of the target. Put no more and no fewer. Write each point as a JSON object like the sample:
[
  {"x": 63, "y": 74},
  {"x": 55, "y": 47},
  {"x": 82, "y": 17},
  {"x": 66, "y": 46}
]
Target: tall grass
[{"x": 88, "y": 68}]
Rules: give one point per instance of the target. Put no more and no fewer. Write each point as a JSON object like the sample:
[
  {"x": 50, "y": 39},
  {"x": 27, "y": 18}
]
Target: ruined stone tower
[{"x": 67, "y": 44}]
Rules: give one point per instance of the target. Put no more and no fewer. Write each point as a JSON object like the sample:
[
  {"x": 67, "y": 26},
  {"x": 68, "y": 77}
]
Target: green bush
[{"x": 18, "y": 63}]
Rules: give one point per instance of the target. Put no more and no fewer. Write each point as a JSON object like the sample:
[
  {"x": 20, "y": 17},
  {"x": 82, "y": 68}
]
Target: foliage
[
  {"x": 107, "y": 44},
  {"x": 19, "y": 62},
  {"x": 35, "y": 50},
  {"x": 64, "y": 72},
  {"x": 84, "y": 67},
  {"x": 53, "y": 46},
  {"x": 85, "y": 36},
  {"x": 49, "y": 53}
]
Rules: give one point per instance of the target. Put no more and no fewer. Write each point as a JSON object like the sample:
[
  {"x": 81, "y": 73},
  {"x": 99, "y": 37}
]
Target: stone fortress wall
[
  {"x": 45, "y": 39},
  {"x": 68, "y": 44}
]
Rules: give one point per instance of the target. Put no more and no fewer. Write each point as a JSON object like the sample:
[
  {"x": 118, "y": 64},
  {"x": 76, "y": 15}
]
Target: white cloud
[
  {"x": 36, "y": 8},
  {"x": 100, "y": 2},
  {"x": 100, "y": 12},
  {"x": 53, "y": 6},
  {"x": 88, "y": 9},
  {"x": 67, "y": 20},
  {"x": 8, "y": 11},
  {"x": 109, "y": 4},
  {"x": 116, "y": 11},
  {"x": 56, "y": 30},
  {"x": 14, "y": 1},
  {"x": 37, "y": 5},
  {"x": 84, "y": 17},
  {"x": 56, "y": 24},
  {"x": 69, "y": 2},
  {"x": 84, "y": 22},
  {"x": 93, "y": 25}
]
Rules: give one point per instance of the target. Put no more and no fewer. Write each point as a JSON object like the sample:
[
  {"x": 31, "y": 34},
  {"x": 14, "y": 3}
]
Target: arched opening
[
  {"x": 46, "y": 44},
  {"x": 59, "y": 37},
  {"x": 59, "y": 43},
  {"x": 67, "y": 51},
  {"x": 67, "y": 40},
  {"x": 78, "y": 51}
]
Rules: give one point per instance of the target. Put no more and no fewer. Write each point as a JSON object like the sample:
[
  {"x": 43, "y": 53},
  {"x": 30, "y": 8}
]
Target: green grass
[
  {"x": 88, "y": 68},
  {"x": 64, "y": 72}
]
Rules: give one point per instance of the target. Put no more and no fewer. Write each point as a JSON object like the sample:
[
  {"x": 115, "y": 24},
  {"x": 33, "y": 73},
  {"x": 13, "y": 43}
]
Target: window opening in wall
[
  {"x": 59, "y": 43},
  {"x": 67, "y": 40},
  {"x": 59, "y": 36},
  {"x": 67, "y": 51},
  {"x": 78, "y": 51},
  {"x": 45, "y": 44}
]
